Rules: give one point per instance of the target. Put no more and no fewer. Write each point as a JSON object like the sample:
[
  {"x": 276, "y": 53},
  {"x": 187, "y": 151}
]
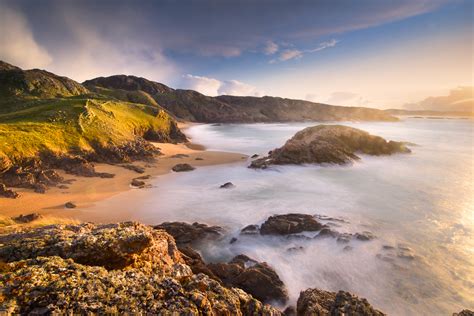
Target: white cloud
[
  {"x": 270, "y": 48},
  {"x": 297, "y": 54},
  {"x": 213, "y": 87},
  {"x": 89, "y": 54},
  {"x": 234, "y": 87},
  {"x": 17, "y": 44},
  {"x": 347, "y": 99}
]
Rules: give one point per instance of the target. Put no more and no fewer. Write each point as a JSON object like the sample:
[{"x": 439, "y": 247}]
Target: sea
[{"x": 419, "y": 207}]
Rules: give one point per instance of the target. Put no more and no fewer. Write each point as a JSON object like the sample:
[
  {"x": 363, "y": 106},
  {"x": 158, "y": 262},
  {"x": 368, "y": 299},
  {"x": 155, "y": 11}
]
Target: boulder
[
  {"x": 290, "y": 224},
  {"x": 40, "y": 188},
  {"x": 464, "y": 312},
  {"x": 250, "y": 230},
  {"x": 324, "y": 303},
  {"x": 333, "y": 144},
  {"x": 258, "y": 279},
  {"x": 227, "y": 185},
  {"x": 70, "y": 205},
  {"x": 135, "y": 168},
  {"x": 8, "y": 193},
  {"x": 27, "y": 218},
  {"x": 182, "y": 167},
  {"x": 186, "y": 234},
  {"x": 137, "y": 183}
]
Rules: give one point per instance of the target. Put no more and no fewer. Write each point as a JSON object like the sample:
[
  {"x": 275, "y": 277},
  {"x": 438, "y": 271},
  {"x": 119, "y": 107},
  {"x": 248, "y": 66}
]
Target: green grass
[{"x": 65, "y": 125}]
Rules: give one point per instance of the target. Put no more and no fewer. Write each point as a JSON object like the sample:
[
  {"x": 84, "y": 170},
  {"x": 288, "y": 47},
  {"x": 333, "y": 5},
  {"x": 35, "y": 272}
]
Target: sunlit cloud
[
  {"x": 270, "y": 48},
  {"x": 213, "y": 87}
]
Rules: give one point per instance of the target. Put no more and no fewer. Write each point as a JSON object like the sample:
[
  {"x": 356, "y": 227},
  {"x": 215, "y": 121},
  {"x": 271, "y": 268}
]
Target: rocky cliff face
[
  {"x": 193, "y": 106},
  {"x": 117, "y": 268},
  {"x": 334, "y": 144}
]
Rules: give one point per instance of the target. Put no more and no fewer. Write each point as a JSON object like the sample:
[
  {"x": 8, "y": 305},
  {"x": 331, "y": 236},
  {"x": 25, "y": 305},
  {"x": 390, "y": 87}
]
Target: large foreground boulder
[
  {"x": 125, "y": 268},
  {"x": 334, "y": 144},
  {"x": 324, "y": 303}
]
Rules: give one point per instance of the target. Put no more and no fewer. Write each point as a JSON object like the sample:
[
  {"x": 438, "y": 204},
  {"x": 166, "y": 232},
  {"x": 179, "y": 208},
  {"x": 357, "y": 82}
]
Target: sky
[{"x": 358, "y": 53}]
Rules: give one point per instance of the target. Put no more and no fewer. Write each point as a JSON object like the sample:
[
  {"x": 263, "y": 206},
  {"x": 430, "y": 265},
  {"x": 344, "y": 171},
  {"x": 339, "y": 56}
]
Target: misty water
[{"x": 420, "y": 207}]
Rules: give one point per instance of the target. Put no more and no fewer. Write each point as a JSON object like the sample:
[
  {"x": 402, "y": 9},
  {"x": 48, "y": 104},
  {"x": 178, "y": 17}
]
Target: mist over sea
[{"x": 420, "y": 206}]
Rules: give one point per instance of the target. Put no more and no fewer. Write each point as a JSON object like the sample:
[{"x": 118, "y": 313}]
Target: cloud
[
  {"x": 17, "y": 44},
  {"x": 234, "y": 87},
  {"x": 270, "y": 48},
  {"x": 347, "y": 98},
  {"x": 213, "y": 87},
  {"x": 204, "y": 85},
  {"x": 289, "y": 54}
]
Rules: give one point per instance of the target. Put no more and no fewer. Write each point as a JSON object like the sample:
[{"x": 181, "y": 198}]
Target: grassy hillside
[
  {"x": 73, "y": 125},
  {"x": 41, "y": 113}
]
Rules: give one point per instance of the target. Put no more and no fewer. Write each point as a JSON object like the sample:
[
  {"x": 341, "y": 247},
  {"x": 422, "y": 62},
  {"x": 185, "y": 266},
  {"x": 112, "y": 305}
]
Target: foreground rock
[
  {"x": 290, "y": 224},
  {"x": 123, "y": 268},
  {"x": 256, "y": 278},
  {"x": 7, "y": 193},
  {"x": 323, "y": 303},
  {"x": 186, "y": 234},
  {"x": 334, "y": 144},
  {"x": 182, "y": 167}
]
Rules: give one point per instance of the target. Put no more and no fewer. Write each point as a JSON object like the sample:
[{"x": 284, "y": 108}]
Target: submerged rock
[
  {"x": 290, "y": 224},
  {"x": 335, "y": 144},
  {"x": 324, "y": 303},
  {"x": 182, "y": 167},
  {"x": 186, "y": 234},
  {"x": 256, "y": 278},
  {"x": 227, "y": 185}
]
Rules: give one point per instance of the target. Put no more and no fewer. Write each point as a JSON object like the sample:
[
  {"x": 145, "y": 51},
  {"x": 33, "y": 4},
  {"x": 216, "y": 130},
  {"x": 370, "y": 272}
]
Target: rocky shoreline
[{"x": 134, "y": 268}]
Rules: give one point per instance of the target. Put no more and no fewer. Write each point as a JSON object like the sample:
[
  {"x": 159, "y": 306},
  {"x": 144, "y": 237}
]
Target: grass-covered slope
[
  {"x": 44, "y": 115},
  {"x": 75, "y": 125}
]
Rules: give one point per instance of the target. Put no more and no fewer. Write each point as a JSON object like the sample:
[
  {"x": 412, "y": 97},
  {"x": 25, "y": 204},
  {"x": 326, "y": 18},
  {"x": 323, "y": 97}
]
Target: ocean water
[{"x": 419, "y": 206}]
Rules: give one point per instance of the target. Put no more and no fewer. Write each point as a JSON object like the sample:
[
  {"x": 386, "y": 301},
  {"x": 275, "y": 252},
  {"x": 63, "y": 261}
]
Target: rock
[
  {"x": 137, "y": 183},
  {"x": 70, "y": 205},
  {"x": 327, "y": 232},
  {"x": 254, "y": 156},
  {"x": 125, "y": 268},
  {"x": 334, "y": 144},
  {"x": 144, "y": 177},
  {"x": 135, "y": 168},
  {"x": 27, "y": 218},
  {"x": 464, "y": 312},
  {"x": 194, "y": 260},
  {"x": 182, "y": 167},
  {"x": 186, "y": 234},
  {"x": 8, "y": 193},
  {"x": 199, "y": 158},
  {"x": 344, "y": 238},
  {"x": 364, "y": 236},
  {"x": 227, "y": 185},
  {"x": 233, "y": 240},
  {"x": 179, "y": 156},
  {"x": 40, "y": 188},
  {"x": 290, "y": 224},
  {"x": 290, "y": 311},
  {"x": 63, "y": 186},
  {"x": 250, "y": 230},
  {"x": 318, "y": 302},
  {"x": 258, "y": 279}
]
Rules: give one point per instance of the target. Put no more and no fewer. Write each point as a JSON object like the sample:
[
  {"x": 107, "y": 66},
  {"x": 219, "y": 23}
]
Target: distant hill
[
  {"x": 458, "y": 100},
  {"x": 45, "y": 114},
  {"x": 193, "y": 106}
]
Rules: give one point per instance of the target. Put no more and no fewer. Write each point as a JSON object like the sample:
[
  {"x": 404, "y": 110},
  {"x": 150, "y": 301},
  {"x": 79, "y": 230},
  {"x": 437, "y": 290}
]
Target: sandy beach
[{"x": 84, "y": 192}]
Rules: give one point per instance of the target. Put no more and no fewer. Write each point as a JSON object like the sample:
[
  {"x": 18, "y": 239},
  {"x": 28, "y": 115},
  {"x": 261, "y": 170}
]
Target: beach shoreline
[{"x": 84, "y": 192}]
